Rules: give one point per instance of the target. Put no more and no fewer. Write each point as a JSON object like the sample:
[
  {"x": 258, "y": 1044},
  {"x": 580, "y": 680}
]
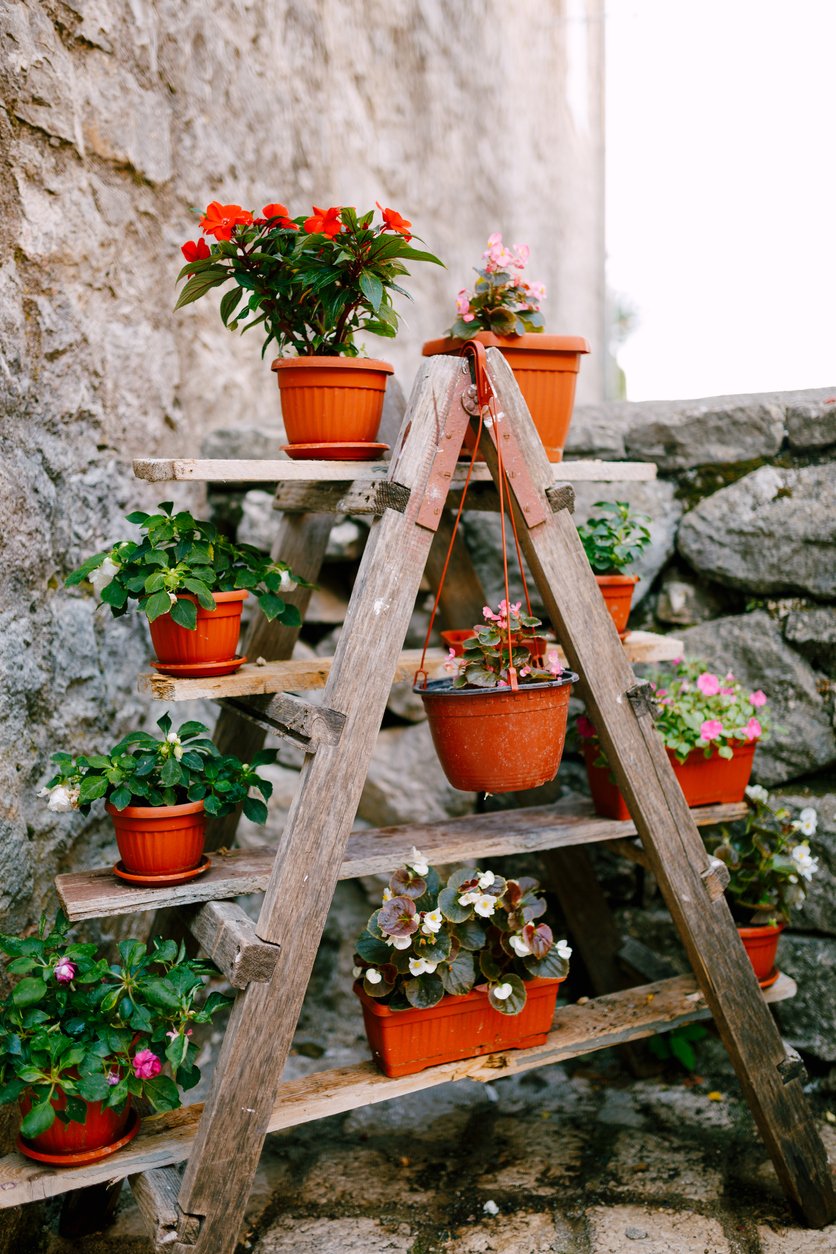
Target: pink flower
[
  {"x": 538, "y": 291},
  {"x": 146, "y": 1065},
  {"x": 468, "y": 317},
  {"x": 712, "y": 729},
  {"x": 708, "y": 684},
  {"x": 677, "y": 661},
  {"x": 488, "y": 614},
  {"x": 727, "y": 692},
  {"x": 463, "y": 301},
  {"x": 65, "y": 971},
  {"x": 757, "y": 698},
  {"x": 113, "y": 1077},
  {"x": 524, "y": 670},
  {"x": 752, "y": 729},
  {"x": 554, "y": 666},
  {"x": 172, "y": 1035},
  {"x": 586, "y": 727}
]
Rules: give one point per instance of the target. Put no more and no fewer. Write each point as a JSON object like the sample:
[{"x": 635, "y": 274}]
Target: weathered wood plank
[
  {"x": 169, "y": 1138},
  {"x": 355, "y": 475},
  {"x": 360, "y": 497},
  {"x": 291, "y": 718},
  {"x": 229, "y": 938},
  {"x": 155, "y": 1193}
]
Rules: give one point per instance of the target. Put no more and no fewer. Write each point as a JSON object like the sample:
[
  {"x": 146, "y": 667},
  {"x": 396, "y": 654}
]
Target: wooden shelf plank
[
  {"x": 218, "y": 470},
  {"x": 598, "y": 1024},
  {"x": 98, "y": 894},
  {"x": 300, "y": 675}
]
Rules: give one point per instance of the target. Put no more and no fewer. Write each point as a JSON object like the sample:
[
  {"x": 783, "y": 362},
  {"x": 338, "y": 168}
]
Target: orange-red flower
[
  {"x": 279, "y": 212},
  {"x": 392, "y": 221},
  {"x": 324, "y": 222},
  {"x": 195, "y": 250},
  {"x": 220, "y": 220}
]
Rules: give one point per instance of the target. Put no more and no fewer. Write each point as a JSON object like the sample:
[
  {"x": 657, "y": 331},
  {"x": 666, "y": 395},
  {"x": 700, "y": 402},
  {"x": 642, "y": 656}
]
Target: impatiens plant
[
  {"x": 614, "y": 538},
  {"x": 180, "y": 555},
  {"x": 768, "y": 856},
  {"x": 147, "y": 770},
  {"x": 501, "y": 300},
  {"x": 428, "y": 939},
  {"x": 701, "y": 710},
  {"x": 78, "y": 1024},
  {"x": 312, "y": 283},
  {"x": 488, "y": 653}
]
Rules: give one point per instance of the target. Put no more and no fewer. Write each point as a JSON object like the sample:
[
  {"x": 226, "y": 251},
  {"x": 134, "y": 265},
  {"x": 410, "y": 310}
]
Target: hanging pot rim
[{"x": 444, "y": 687}]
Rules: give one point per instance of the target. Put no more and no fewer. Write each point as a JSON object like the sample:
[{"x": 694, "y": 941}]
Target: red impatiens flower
[
  {"x": 324, "y": 222},
  {"x": 220, "y": 220},
  {"x": 195, "y": 250},
  {"x": 279, "y": 212},
  {"x": 392, "y": 221}
]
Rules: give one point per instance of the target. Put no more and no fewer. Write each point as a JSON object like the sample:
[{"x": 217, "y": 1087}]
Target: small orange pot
[
  {"x": 159, "y": 840},
  {"x": 546, "y": 370},
  {"x": 405, "y": 1041},
  {"x": 496, "y": 740},
  {"x": 102, "y": 1126},
  {"x": 761, "y": 944},
  {"x": 214, "y": 639},
  {"x": 331, "y": 400},
  {"x": 704, "y": 781},
  {"x": 617, "y": 591}
]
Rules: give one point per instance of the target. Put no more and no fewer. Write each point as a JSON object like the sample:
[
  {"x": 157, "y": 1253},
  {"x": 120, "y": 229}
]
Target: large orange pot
[
  {"x": 405, "y": 1041},
  {"x": 761, "y": 944},
  {"x": 617, "y": 591},
  {"x": 159, "y": 840},
  {"x": 214, "y": 639},
  {"x": 704, "y": 780},
  {"x": 496, "y": 740},
  {"x": 102, "y": 1126},
  {"x": 331, "y": 400},
  {"x": 546, "y": 370}
]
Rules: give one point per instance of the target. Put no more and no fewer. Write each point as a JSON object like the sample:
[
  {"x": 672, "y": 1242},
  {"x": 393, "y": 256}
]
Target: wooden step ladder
[{"x": 270, "y": 962}]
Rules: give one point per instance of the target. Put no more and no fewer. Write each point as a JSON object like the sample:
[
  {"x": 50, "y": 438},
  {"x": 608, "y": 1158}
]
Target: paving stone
[
  {"x": 654, "y": 1165},
  {"x": 289, "y": 1235},
  {"x": 668, "y": 1231},
  {"x": 384, "y": 1174},
  {"x": 515, "y": 1234},
  {"x": 533, "y": 1157},
  {"x": 797, "y": 1240}
]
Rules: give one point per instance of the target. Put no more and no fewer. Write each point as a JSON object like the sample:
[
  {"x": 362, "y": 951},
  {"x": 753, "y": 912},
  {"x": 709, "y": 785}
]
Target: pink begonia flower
[
  {"x": 752, "y": 729},
  {"x": 708, "y": 684},
  {"x": 727, "y": 692},
  {"x": 554, "y": 666},
  {"x": 677, "y": 661},
  {"x": 65, "y": 971},
  {"x": 173, "y": 1034},
  {"x": 586, "y": 728},
  {"x": 488, "y": 613},
  {"x": 712, "y": 729},
  {"x": 757, "y": 698},
  {"x": 146, "y": 1065},
  {"x": 463, "y": 301},
  {"x": 522, "y": 254},
  {"x": 468, "y": 317},
  {"x": 494, "y": 239},
  {"x": 524, "y": 670}
]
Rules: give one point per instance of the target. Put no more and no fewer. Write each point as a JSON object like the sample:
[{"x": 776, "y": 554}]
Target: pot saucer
[
  {"x": 81, "y": 1157},
  {"x": 770, "y": 979},
  {"x": 161, "y": 881},
  {"x": 342, "y": 452},
  {"x": 199, "y": 670}
]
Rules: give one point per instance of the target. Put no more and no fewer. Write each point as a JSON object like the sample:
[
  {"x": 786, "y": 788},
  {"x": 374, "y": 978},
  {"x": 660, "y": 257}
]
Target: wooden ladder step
[
  {"x": 228, "y": 936},
  {"x": 155, "y": 1193},
  {"x": 98, "y": 893},
  {"x": 166, "y": 1139}
]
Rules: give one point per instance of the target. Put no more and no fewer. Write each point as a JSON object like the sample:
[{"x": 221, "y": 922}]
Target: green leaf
[
  {"x": 229, "y": 302},
  {"x": 255, "y": 810},
  {"x": 200, "y": 284},
  {"x": 184, "y": 613},
  {"x": 162, "y": 1093},
  {"x": 424, "y": 991},
  {"x": 513, "y": 1004},
  {"x": 448, "y": 904},
  {"x": 121, "y": 798},
  {"x": 157, "y": 605},
  {"x": 459, "y": 976},
  {"x": 161, "y": 993},
  {"x": 39, "y": 1119},
  {"x": 372, "y": 289},
  {"x": 114, "y": 594},
  {"x": 271, "y": 605},
  {"x": 91, "y": 788},
  {"x": 372, "y": 950},
  {"x": 28, "y": 991}
]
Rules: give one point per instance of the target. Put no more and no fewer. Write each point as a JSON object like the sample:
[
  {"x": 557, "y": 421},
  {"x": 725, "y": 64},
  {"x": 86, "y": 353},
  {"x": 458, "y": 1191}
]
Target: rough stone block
[
  {"x": 808, "y": 1021},
  {"x": 515, "y": 1234},
  {"x": 406, "y": 784},
  {"x": 679, "y": 435},
  {"x": 292, "y": 1235},
  {"x": 811, "y": 418},
  {"x": 648, "y": 1230},
  {"x": 812, "y": 632}
]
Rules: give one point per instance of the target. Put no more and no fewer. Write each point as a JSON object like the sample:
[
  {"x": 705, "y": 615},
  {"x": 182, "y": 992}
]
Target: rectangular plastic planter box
[{"x": 704, "y": 781}]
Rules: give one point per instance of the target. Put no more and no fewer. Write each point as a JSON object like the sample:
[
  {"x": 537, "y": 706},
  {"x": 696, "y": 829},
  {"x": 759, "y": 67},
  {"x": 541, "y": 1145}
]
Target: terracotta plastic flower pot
[
  {"x": 496, "y": 740},
  {"x": 330, "y": 400},
  {"x": 546, "y": 370},
  {"x": 405, "y": 1041},
  {"x": 214, "y": 640},
  {"x": 704, "y": 781},
  {"x": 761, "y": 944},
  {"x": 102, "y": 1126},
  {"x": 617, "y": 591},
  {"x": 160, "y": 840},
  {"x": 455, "y": 640}
]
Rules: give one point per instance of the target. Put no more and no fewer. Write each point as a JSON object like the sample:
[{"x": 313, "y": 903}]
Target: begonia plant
[
  {"x": 95, "y": 1030},
  {"x": 614, "y": 538},
  {"x": 429, "y": 939},
  {"x": 501, "y": 300},
  {"x": 312, "y": 282},
  {"x": 487, "y": 655}
]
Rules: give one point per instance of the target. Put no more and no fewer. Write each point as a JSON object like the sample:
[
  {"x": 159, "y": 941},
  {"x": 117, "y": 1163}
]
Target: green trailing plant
[
  {"x": 501, "y": 300},
  {"x": 614, "y": 538},
  {"x": 167, "y": 770},
  {"x": 95, "y": 1030},
  {"x": 679, "y": 1044},
  {"x": 429, "y": 938},
  {"x": 768, "y": 857},
  {"x": 179, "y": 556},
  {"x": 487, "y": 654}
]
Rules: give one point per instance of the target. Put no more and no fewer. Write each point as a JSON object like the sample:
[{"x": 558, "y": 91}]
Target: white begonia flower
[
  {"x": 103, "y": 575},
  {"x": 563, "y": 949},
  {"x": 373, "y": 975},
  {"x": 467, "y": 899},
  {"x": 793, "y": 879},
  {"x": 62, "y": 799},
  {"x": 172, "y": 596},
  {"x": 520, "y": 946},
  {"x": 806, "y": 863},
  {"x": 486, "y": 879},
  {"x": 417, "y": 862},
  {"x": 490, "y": 1207},
  {"x": 502, "y": 992},
  {"x": 387, "y": 895},
  {"x": 485, "y": 905},
  {"x": 288, "y": 583},
  {"x": 356, "y": 972},
  {"x": 398, "y": 942},
  {"x": 807, "y": 821},
  {"x": 756, "y": 793},
  {"x": 421, "y": 966},
  {"x": 432, "y": 922}
]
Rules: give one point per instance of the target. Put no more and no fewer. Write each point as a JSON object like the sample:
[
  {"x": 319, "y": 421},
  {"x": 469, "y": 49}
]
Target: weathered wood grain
[
  {"x": 291, "y": 718},
  {"x": 229, "y": 938},
  {"x": 155, "y": 1193},
  {"x": 338, "y": 497}
]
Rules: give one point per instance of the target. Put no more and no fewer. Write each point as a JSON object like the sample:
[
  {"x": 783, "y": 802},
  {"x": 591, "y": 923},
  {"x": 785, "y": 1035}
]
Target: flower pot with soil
[
  {"x": 612, "y": 540},
  {"x": 455, "y": 970}
]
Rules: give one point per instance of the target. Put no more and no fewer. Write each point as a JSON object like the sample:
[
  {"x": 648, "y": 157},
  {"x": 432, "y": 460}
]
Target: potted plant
[
  {"x": 158, "y": 791},
  {"x": 503, "y": 311},
  {"x": 612, "y": 540},
  {"x": 313, "y": 284},
  {"x": 190, "y": 582},
  {"x": 83, "y": 1038},
  {"x": 500, "y": 723},
  {"x": 456, "y": 970},
  {"x": 769, "y": 861},
  {"x": 710, "y": 727}
]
